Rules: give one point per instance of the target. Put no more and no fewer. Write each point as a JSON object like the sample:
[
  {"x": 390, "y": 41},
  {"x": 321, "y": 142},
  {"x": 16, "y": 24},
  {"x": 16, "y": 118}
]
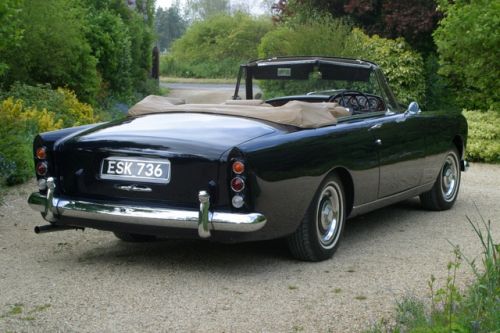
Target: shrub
[
  {"x": 216, "y": 47},
  {"x": 466, "y": 39},
  {"x": 484, "y": 136},
  {"x": 438, "y": 94},
  {"x": 53, "y": 48},
  {"x": 62, "y": 102},
  {"x": 324, "y": 37},
  {"x": 18, "y": 127},
  {"x": 403, "y": 68}
]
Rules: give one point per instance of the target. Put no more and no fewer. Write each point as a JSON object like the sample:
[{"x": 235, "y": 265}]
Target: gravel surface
[{"x": 91, "y": 282}]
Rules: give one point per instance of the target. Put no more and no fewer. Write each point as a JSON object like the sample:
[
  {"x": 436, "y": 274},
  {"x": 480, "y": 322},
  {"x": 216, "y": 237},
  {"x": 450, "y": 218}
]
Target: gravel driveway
[{"x": 91, "y": 282}]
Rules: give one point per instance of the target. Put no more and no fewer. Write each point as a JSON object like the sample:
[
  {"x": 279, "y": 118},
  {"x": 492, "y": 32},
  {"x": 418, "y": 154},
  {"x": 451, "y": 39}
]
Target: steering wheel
[{"x": 353, "y": 96}]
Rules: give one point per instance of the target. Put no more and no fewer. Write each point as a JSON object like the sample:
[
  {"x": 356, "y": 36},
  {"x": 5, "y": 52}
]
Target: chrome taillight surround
[
  {"x": 237, "y": 183},
  {"x": 41, "y": 166}
]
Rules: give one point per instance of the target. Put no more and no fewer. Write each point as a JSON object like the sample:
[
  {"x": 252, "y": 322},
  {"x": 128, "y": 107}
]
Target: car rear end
[{"x": 143, "y": 182}]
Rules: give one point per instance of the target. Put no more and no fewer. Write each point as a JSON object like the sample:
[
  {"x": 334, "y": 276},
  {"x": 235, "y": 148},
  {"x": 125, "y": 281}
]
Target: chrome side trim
[
  {"x": 379, "y": 203},
  {"x": 147, "y": 216}
]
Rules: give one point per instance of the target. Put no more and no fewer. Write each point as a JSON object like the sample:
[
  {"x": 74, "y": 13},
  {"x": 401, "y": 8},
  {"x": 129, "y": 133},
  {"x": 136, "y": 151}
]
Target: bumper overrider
[{"x": 204, "y": 220}]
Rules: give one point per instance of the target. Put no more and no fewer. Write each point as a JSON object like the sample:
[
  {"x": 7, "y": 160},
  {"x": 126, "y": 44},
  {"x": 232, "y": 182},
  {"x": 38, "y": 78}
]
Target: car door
[{"x": 401, "y": 148}]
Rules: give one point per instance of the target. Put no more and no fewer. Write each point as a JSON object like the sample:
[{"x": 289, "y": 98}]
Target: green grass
[{"x": 477, "y": 309}]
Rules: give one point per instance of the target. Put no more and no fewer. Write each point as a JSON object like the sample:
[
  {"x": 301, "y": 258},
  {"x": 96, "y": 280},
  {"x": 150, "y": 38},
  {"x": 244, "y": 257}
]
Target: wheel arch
[
  {"x": 347, "y": 184},
  {"x": 458, "y": 142}
]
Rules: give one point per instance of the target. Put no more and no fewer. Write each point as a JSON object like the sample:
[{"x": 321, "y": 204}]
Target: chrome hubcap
[
  {"x": 328, "y": 215},
  {"x": 449, "y": 178}
]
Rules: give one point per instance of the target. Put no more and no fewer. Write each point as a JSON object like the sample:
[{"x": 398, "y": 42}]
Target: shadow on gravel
[{"x": 202, "y": 256}]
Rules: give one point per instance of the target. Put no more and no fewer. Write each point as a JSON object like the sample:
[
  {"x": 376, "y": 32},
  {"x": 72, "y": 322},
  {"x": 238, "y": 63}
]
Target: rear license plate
[{"x": 140, "y": 170}]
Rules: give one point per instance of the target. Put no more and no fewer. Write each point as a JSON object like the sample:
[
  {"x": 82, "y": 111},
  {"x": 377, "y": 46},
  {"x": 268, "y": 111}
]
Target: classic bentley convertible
[{"x": 329, "y": 142}]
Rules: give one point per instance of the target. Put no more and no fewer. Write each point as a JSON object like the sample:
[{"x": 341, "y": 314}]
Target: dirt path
[
  {"x": 199, "y": 93},
  {"x": 91, "y": 282}
]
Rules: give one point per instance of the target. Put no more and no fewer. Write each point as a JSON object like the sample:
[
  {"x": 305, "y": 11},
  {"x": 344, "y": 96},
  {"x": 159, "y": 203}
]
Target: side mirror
[
  {"x": 413, "y": 108},
  {"x": 258, "y": 95}
]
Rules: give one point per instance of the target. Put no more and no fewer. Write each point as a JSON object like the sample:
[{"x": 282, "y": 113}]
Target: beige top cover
[{"x": 295, "y": 113}]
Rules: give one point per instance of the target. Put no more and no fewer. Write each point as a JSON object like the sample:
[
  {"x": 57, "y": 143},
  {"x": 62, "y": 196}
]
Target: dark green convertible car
[{"x": 311, "y": 142}]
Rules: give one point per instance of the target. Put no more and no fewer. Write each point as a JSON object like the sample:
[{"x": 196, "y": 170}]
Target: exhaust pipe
[{"x": 42, "y": 229}]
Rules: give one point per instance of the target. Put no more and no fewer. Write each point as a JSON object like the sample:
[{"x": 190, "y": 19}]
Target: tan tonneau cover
[{"x": 295, "y": 113}]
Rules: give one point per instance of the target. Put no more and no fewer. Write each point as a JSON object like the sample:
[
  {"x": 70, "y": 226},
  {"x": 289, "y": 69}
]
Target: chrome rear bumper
[{"x": 53, "y": 209}]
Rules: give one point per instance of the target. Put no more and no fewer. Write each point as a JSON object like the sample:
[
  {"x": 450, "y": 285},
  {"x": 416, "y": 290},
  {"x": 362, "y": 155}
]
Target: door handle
[
  {"x": 376, "y": 126},
  {"x": 378, "y": 142}
]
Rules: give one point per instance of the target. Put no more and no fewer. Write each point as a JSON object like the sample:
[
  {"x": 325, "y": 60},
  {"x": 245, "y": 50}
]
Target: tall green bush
[
  {"x": 323, "y": 37},
  {"x": 27, "y": 110},
  {"x": 110, "y": 41},
  {"x": 484, "y": 136},
  {"x": 18, "y": 127},
  {"x": 468, "y": 39},
  {"x": 10, "y": 30},
  {"x": 403, "y": 67},
  {"x": 216, "y": 47},
  {"x": 62, "y": 102},
  {"x": 53, "y": 48}
]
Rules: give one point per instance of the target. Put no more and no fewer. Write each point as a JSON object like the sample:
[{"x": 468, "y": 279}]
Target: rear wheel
[
  {"x": 319, "y": 233},
  {"x": 134, "y": 238},
  {"x": 444, "y": 193}
]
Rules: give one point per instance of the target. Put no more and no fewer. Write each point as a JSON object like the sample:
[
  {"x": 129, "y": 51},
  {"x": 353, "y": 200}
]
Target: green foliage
[
  {"x": 484, "y": 136},
  {"x": 110, "y": 41},
  {"x": 467, "y": 38},
  {"x": 322, "y": 36},
  {"x": 10, "y": 30},
  {"x": 413, "y": 20},
  {"x": 18, "y": 127},
  {"x": 53, "y": 48},
  {"x": 216, "y": 47},
  {"x": 27, "y": 110},
  {"x": 169, "y": 25},
  {"x": 121, "y": 39},
  {"x": 438, "y": 95},
  {"x": 477, "y": 310},
  {"x": 101, "y": 49},
  {"x": 329, "y": 37},
  {"x": 62, "y": 102},
  {"x": 205, "y": 9},
  {"x": 403, "y": 68}
]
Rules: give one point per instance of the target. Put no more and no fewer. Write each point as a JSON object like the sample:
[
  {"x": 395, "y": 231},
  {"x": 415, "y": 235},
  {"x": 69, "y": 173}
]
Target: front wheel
[
  {"x": 444, "y": 193},
  {"x": 319, "y": 233}
]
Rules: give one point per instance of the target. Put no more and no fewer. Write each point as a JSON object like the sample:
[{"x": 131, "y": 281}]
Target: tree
[
  {"x": 217, "y": 46},
  {"x": 204, "y": 9},
  {"x": 415, "y": 20},
  {"x": 10, "y": 30},
  {"x": 122, "y": 37},
  {"x": 467, "y": 40},
  {"x": 53, "y": 49},
  {"x": 169, "y": 26}
]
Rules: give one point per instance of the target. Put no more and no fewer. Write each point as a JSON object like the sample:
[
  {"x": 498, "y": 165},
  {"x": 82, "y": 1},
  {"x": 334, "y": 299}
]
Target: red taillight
[
  {"x": 238, "y": 167},
  {"x": 237, "y": 184},
  {"x": 41, "y": 168},
  {"x": 41, "y": 153}
]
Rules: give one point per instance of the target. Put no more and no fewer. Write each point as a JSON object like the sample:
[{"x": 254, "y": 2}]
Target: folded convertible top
[{"x": 295, "y": 113}]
